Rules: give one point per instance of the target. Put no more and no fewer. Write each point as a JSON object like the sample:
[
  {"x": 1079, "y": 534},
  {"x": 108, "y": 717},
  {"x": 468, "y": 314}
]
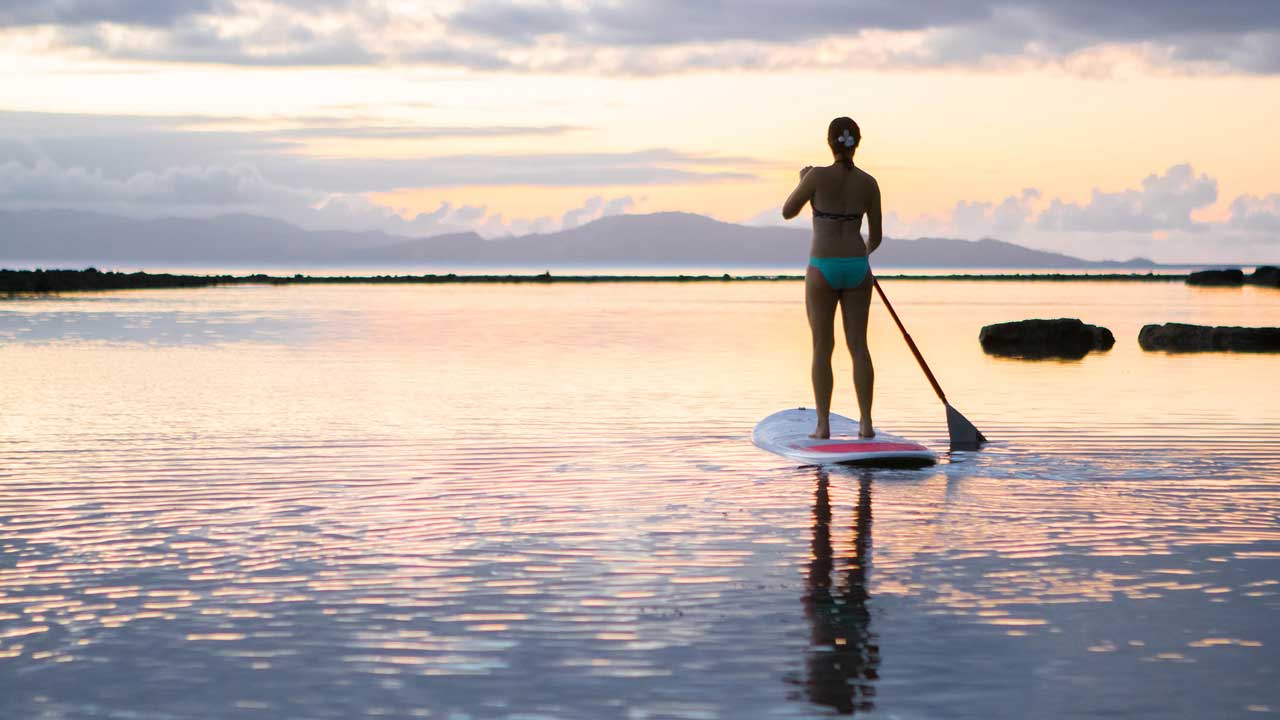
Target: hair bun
[{"x": 843, "y": 136}]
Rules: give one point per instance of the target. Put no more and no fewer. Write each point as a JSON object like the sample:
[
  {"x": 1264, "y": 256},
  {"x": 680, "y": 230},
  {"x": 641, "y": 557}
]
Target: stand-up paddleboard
[{"x": 787, "y": 434}]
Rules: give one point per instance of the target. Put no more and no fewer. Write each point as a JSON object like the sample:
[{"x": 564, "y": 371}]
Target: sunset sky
[{"x": 1102, "y": 129}]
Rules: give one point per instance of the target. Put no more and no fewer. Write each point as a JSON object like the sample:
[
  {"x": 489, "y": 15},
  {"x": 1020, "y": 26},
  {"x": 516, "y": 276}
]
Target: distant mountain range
[{"x": 73, "y": 237}]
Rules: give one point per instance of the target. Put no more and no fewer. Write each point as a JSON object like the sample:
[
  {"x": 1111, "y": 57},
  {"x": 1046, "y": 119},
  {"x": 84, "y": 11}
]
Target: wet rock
[
  {"x": 1265, "y": 275},
  {"x": 1034, "y": 339},
  {"x": 1233, "y": 276},
  {"x": 1179, "y": 337}
]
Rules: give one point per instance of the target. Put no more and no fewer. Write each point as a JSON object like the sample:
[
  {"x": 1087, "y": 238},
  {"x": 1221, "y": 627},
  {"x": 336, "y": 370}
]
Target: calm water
[{"x": 542, "y": 502}]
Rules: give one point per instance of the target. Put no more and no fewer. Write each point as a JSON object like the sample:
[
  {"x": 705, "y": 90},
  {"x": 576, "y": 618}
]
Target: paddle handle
[{"x": 910, "y": 343}]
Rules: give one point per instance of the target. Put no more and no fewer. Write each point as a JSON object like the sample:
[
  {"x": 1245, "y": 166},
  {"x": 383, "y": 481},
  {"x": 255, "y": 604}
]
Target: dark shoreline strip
[{"x": 47, "y": 281}]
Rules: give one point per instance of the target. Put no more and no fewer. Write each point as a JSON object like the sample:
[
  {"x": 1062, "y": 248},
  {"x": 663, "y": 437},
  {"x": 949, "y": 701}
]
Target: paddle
[{"x": 964, "y": 436}]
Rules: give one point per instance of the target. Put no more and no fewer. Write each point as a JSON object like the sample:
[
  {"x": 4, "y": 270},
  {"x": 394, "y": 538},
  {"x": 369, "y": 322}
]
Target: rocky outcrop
[
  {"x": 1179, "y": 337},
  {"x": 1223, "y": 278},
  {"x": 1266, "y": 276},
  {"x": 1035, "y": 339}
]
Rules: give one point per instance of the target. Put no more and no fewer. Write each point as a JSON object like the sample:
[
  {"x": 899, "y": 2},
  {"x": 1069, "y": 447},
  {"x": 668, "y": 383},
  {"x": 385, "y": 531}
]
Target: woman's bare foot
[
  {"x": 822, "y": 431},
  {"x": 865, "y": 431}
]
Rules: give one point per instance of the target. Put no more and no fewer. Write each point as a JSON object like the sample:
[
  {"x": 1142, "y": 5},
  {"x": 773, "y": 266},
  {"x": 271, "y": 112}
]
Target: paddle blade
[{"x": 964, "y": 436}]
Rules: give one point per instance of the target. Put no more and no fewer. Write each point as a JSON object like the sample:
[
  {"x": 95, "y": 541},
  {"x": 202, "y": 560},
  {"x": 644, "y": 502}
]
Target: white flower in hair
[{"x": 846, "y": 139}]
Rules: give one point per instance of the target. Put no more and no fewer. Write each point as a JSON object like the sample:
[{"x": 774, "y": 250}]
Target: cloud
[
  {"x": 115, "y": 144},
  {"x": 1007, "y": 219},
  {"x": 112, "y": 144},
  {"x": 518, "y": 23},
  {"x": 577, "y": 216},
  {"x": 671, "y": 22},
  {"x": 1153, "y": 220},
  {"x": 984, "y": 219},
  {"x": 646, "y": 167},
  {"x": 1163, "y": 202},
  {"x": 410, "y": 132},
  {"x": 1251, "y": 52},
  {"x": 48, "y": 124},
  {"x": 280, "y": 40},
  {"x": 147, "y": 13},
  {"x": 595, "y": 208},
  {"x": 618, "y": 206},
  {"x": 217, "y": 190},
  {"x": 1260, "y": 214},
  {"x": 649, "y": 37},
  {"x": 47, "y": 184},
  {"x": 358, "y": 213},
  {"x": 148, "y": 166},
  {"x": 993, "y": 27},
  {"x": 449, "y": 54},
  {"x": 771, "y": 217}
]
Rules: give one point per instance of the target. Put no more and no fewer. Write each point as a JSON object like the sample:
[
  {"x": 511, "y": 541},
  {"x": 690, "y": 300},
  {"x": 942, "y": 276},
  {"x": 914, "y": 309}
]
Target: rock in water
[
  {"x": 1179, "y": 337},
  {"x": 1266, "y": 275},
  {"x": 1234, "y": 276},
  {"x": 1033, "y": 339}
]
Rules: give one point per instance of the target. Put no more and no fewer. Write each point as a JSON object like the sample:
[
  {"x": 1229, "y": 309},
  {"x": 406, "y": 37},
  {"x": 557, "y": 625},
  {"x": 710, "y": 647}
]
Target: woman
[{"x": 840, "y": 195}]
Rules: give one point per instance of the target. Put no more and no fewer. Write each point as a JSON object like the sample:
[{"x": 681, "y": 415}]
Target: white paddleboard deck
[{"x": 787, "y": 434}]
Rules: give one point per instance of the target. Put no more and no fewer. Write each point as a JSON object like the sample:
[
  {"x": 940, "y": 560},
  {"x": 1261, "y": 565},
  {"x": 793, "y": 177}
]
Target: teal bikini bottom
[{"x": 842, "y": 273}]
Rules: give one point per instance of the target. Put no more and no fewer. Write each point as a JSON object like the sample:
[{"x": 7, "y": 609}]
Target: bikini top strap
[{"x": 836, "y": 216}]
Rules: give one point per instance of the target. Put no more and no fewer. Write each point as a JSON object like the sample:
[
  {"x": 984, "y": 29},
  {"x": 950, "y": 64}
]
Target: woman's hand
[{"x": 805, "y": 171}]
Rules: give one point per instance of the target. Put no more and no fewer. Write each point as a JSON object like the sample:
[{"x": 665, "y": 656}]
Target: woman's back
[{"x": 841, "y": 198}]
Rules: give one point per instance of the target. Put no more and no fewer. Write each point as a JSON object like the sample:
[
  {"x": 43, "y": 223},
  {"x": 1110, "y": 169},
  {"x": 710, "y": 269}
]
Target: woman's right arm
[
  {"x": 801, "y": 195},
  {"x": 874, "y": 230}
]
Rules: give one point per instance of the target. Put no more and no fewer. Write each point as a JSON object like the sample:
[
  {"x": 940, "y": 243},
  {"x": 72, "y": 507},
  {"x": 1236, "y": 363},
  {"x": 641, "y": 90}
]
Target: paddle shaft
[{"x": 910, "y": 343}]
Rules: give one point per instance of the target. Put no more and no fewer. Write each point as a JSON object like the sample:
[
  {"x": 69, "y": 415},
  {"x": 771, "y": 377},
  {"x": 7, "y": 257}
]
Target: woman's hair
[{"x": 839, "y": 133}]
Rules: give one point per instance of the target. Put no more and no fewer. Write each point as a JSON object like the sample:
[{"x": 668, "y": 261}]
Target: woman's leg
[
  {"x": 820, "y": 302},
  {"x": 854, "y": 306}
]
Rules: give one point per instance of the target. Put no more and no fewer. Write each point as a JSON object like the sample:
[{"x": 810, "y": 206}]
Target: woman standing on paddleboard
[{"x": 838, "y": 273}]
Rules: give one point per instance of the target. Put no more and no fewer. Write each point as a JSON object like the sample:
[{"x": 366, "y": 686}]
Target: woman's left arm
[
  {"x": 801, "y": 195},
  {"x": 874, "y": 230}
]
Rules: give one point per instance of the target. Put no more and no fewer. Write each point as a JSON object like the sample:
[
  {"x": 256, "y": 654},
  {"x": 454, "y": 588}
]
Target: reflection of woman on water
[
  {"x": 840, "y": 194},
  {"x": 845, "y": 659}
]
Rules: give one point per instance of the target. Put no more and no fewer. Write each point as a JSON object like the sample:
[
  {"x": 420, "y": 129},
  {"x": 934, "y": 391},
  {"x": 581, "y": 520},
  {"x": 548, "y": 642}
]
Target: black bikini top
[{"x": 843, "y": 217}]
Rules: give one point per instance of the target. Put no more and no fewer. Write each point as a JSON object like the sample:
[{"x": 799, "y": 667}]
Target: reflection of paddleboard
[{"x": 787, "y": 434}]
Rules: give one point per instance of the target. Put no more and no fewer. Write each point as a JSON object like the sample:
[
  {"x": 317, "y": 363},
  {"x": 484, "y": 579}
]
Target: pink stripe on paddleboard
[{"x": 869, "y": 447}]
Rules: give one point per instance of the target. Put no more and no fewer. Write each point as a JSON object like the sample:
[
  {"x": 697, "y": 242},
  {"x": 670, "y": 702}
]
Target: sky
[{"x": 1106, "y": 130}]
